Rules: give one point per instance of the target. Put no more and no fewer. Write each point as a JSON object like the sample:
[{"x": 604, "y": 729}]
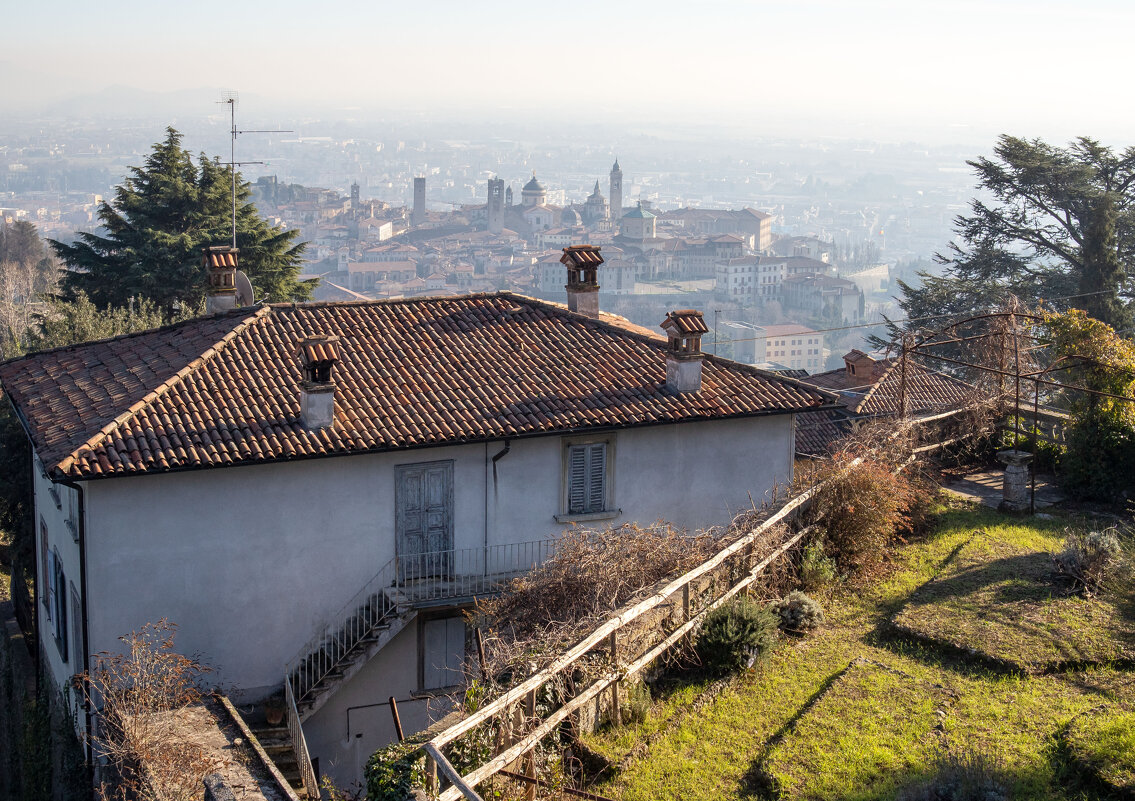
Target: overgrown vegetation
[
  {"x": 136, "y": 690},
  {"x": 861, "y": 509},
  {"x": 394, "y": 772},
  {"x": 1099, "y": 458},
  {"x": 592, "y": 573},
  {"x": 736, "y": 635},
  {"x": 817, "y": 570},
  {"x": 1095, "y": 561}
]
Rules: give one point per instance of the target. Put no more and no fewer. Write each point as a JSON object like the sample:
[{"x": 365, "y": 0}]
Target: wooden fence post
[
  {"x": 431, "y": 776},
  {"x": 686, "y": 602},
  {"x": 615, "y": 715},
  {"x": 530, "y": 714}
]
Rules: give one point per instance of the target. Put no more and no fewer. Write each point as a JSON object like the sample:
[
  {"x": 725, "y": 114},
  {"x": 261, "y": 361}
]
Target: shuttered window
[
  {"x": 57, "y": 588},
  {"x": 587, "y": 478},
  {"x": 45, "y": 577}
]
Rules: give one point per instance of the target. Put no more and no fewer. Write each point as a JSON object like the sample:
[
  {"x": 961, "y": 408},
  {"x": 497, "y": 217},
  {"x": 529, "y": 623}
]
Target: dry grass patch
[{"x": 1001, "y": 600}]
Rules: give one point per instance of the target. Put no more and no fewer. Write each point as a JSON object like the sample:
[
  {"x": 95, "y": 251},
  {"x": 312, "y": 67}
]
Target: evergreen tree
[
  {"x": 162, "y": 216},
  {"x": 1061, "y": 223}
]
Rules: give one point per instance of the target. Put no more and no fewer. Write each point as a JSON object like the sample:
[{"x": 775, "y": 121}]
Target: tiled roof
[
  {"x": 878, "y": 394},
  {"x": 926, "y": 390},
  {"x": 581, "y": 256},
  {"x": 686, "y": 321},
  {"x": 817, "y": 433},
  {"x": 224, "y": 390}
]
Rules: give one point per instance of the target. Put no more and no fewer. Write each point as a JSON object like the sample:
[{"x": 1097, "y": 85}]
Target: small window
[
  {"x": 587, "y": 478},
  {"x": 44, "y": 568},
  {"x": 77, "y": 648},
  {"x": 58, "y": 604}
]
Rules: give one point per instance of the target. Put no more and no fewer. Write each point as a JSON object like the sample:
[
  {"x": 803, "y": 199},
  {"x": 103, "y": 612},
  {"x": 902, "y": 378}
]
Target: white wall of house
[
  {"x": 57, "y": 515},
  {"x": 356, "y": 721},
  {"x": 250, "y": 561}
]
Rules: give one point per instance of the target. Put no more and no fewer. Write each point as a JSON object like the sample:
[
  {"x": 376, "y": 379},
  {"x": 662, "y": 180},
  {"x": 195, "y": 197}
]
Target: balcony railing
[{"x": 404, "y": 581}]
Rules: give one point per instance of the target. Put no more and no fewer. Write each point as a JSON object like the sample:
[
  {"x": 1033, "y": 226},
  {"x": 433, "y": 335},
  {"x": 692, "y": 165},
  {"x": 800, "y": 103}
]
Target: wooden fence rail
[{"x": 464, "y": 786}]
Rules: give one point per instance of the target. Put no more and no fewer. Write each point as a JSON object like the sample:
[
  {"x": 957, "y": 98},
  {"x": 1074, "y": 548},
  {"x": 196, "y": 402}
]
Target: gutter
[{"x": 496, "y": 437}]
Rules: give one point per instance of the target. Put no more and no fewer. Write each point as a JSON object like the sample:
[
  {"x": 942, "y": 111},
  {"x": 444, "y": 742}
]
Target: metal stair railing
[
  {"x": 403, "y": 581},
  {"x": 299, "y": 745}
]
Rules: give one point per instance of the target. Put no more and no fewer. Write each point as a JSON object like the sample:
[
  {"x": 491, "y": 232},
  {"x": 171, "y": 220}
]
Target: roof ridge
[
  {"x": 127, "y": 335},
  {"x": 89, "y": 444}
]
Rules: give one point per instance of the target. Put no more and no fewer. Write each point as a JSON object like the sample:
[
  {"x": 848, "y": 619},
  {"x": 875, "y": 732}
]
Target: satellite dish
[{"x": 244, "y": 293}]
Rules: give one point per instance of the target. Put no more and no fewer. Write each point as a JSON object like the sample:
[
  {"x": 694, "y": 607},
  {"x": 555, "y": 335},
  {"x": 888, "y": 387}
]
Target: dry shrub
[
  {"x": 861, "y": 508},
  {"x": 591, "y": 574},
  {"x": 1095, "y": 561},
  {"x": 141, "y": 692}
]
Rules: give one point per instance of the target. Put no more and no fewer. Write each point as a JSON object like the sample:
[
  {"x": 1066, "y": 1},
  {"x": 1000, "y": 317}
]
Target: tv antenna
[{"x": 232, "y": 98}]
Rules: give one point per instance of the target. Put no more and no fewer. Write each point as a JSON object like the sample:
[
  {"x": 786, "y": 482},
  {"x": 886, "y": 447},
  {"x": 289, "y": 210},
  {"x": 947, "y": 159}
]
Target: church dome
[
  {"x": 533, "y": 185},
  {"x": 570, "y": 217}
]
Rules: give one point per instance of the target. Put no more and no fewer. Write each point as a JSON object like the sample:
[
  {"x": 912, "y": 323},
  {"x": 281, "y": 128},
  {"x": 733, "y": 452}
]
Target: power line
[{"x": 896, "y": 322}]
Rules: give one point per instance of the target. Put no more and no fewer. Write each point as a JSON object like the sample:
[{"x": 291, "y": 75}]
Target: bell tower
[{"x": 616, "y": 195}]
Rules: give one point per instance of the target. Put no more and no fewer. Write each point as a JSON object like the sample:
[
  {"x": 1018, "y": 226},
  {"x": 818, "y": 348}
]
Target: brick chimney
[
  {"x": 583, "y": 279},
  {"x": 684, "y": 329},
  {"x": 318, "y": 355},
  {"x": 862, "y": 367},
  {"x": 220, "y": 269}
]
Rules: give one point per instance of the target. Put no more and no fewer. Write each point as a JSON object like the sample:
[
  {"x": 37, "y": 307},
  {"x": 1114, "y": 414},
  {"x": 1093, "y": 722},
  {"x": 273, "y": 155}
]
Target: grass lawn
[
  {"x": 1103, "y": 740},
  {"x": 998, "y": 599},
  {"x": 813, "y": 721}
]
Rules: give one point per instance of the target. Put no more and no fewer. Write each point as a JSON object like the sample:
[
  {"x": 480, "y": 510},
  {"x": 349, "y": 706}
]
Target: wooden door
[{"x": 424, "y": 519}]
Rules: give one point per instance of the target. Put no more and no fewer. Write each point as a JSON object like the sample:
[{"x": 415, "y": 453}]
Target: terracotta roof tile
[{"x": 410, "y": 373}]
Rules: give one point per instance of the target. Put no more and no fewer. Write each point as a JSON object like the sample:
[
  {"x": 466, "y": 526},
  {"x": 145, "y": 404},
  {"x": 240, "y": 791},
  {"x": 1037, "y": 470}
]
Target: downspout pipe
[
  {"x": 78, "y": 488},
  {"x": 496, "y": 458}
]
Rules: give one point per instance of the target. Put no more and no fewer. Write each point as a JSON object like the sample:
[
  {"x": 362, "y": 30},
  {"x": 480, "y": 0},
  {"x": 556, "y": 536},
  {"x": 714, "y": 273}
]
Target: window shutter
[
  {"x": 577, "y": 479},
  {"x": 597, "y": 477},
  {"x": 45, "y": 568},
  {"x": 52, "y": 568},
  {"x": 61, "y": 609}
]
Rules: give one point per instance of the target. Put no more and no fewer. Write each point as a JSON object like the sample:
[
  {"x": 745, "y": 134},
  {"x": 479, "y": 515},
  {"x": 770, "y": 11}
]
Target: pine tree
[
  {"x": 1061, "y": 224},
  {"x": 162, "y": 216}
]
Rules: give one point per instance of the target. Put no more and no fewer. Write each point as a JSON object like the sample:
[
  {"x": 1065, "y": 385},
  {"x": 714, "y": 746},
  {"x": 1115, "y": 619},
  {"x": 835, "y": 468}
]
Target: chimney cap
[
  {"x": 221, "y": 256},
  {"x": 581, "y": 256},
  {"x": 319, "y": 350},
  {"x": 684, "y": 323}
]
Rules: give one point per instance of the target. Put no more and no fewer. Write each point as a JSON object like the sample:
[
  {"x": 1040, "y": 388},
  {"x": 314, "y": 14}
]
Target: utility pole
[{"x": 903, "y": 359}]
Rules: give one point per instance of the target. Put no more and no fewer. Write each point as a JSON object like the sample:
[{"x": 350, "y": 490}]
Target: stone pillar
[{"x": 1015, "y": 489}]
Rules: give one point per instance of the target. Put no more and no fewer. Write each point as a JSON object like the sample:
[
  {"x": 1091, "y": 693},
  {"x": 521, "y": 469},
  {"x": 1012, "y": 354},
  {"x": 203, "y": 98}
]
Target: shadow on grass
[
  {"x": 1076, "y": 781},
  {"x": 756, "y": 783}
]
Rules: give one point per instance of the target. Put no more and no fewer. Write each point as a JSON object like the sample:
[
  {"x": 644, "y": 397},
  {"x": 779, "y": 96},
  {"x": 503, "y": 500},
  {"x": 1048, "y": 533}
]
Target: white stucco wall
[
  {"x": 250, "y": 561},
  {"x": 356, "y": 721},
  {"x": 60, "y": 538}
]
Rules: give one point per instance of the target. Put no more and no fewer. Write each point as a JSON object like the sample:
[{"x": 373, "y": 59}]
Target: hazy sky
[{"x": 1040, "y": 67}]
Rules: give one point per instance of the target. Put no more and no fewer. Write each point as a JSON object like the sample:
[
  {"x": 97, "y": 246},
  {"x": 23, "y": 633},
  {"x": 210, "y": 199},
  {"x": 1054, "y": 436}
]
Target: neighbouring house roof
[
  {"x": 638, "y": 213},
  {"x": 225, "y": 390},
  {"x": 875, "y": 392}
]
